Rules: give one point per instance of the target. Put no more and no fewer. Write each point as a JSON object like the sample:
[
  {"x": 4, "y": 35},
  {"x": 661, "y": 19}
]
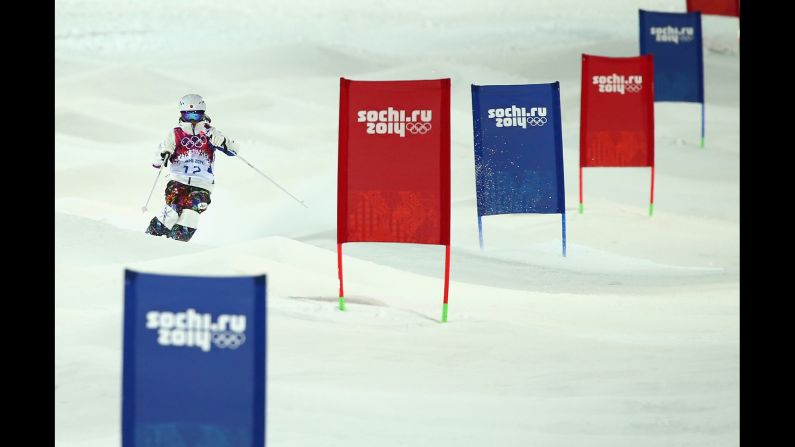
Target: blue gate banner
[
  {"x": 194, "y": 361},
  {"x": 675, "y": 41},
  {"x": 518, "y": 149}
]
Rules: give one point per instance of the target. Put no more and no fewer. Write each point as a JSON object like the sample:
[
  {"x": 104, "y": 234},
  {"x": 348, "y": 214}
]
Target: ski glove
[
  {"x": 217, "y": 138},
  {"x": 165, "y": 156}
]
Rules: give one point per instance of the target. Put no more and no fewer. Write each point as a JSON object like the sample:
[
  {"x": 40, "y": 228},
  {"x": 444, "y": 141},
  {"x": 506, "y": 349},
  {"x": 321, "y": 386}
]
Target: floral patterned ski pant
[{"x": 179, "y": 217}]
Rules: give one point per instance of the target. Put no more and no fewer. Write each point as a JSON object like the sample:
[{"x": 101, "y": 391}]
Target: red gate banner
[
  {"x": 617, "y": 114},
  {"x": 715, "y": 7},
  {"x": 394, "y": 162},
  {"x": 393, "y": 178},
  {"x": 617, "y": 111}
]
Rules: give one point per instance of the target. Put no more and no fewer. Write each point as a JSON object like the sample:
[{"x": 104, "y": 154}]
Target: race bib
[
  {"x": 194, "y": 166},
  {"x": 193, "y": 156}
]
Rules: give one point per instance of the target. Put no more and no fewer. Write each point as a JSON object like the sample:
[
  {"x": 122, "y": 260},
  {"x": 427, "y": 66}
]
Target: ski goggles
[{"x": 192, "y": 115}]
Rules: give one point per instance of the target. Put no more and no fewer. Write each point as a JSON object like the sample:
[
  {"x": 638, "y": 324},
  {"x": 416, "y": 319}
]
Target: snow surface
[{"x": 633, "y": 340}]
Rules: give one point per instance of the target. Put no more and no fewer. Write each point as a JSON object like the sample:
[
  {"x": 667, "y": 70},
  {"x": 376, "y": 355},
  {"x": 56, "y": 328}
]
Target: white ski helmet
[{"x": 192, "y": 102}]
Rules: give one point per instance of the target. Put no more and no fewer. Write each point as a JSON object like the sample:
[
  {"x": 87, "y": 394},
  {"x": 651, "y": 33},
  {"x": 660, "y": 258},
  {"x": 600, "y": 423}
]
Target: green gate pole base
[
  {"x": 444, "y": 313},
  {"x": 651, "y": 209},
  {"x": 342, "y": 303},
  {"x": 580, "y": 208},
  {"x": 702, "y": 143}
]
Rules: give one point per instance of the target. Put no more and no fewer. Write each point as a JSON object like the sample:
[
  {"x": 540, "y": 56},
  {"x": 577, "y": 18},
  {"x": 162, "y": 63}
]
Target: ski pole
[
  {"x": 271, "y": 180},
  {"x": 159, "y": 171}
]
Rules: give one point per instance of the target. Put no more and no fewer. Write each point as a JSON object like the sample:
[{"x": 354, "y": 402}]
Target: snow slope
[{"x": 633, "y": 340}]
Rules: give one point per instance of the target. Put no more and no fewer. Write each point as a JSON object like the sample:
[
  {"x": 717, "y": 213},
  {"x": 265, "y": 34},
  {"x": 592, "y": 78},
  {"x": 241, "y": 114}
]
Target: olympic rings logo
[
  {"x": 634, "y": 88},
  {"x": 418, "y": 128},
  {"x": 536, "y": 120},
  {"x": 228, "y": 339},
  {"x": 193, "y": 141}
]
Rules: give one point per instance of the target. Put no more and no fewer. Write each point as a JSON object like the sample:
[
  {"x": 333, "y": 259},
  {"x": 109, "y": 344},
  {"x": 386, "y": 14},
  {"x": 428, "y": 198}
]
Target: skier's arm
[
  {"x": 224, "y": 144},
  {"x": 164, "y": 150}
]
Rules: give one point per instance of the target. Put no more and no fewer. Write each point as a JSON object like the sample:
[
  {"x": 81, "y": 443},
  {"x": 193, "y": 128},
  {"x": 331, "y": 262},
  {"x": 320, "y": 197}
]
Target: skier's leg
[
  {"x": 185, "y": 227},
  {"x": 162, "y": 224},
  {"x": 194, "y": 204}
]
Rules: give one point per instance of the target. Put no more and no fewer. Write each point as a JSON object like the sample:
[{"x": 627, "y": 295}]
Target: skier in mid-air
[{"x": 189, "y": 149}]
